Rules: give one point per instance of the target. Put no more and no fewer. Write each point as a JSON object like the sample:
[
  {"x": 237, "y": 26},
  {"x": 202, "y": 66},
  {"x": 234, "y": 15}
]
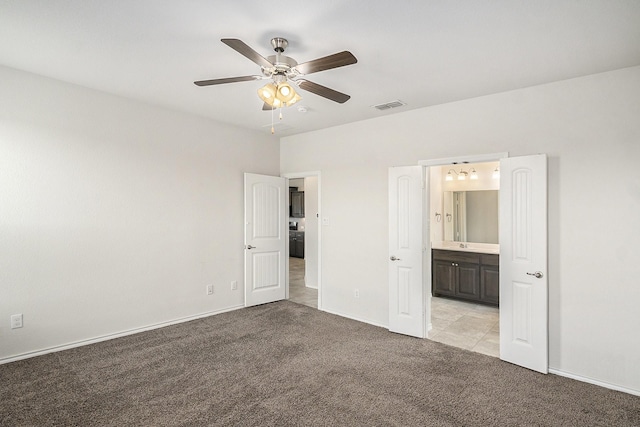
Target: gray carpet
[{"x": 287, "y": 364}]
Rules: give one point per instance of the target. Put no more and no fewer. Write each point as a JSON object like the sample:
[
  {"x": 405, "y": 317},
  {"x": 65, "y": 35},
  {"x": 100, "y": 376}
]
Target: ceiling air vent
[{"x": 389, "y": 105}]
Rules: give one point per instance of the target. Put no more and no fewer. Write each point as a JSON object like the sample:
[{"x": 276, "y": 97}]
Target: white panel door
[
  {"x": 523, "y": 262},
  {"x": 406, "y": 293},
  {"x": 265, "y": 238}
]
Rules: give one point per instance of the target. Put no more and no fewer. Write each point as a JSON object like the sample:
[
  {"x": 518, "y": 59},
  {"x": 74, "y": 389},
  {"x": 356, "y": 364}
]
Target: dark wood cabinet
[
  {"x": 296, "y": 244},
  {"x": 490, "y": 278},
  {"x": 444, "y": 278},
  {"x": 466, "y": 275},
  {"x": 468, "y": 281},
  {"x": 297, "y": 204}
]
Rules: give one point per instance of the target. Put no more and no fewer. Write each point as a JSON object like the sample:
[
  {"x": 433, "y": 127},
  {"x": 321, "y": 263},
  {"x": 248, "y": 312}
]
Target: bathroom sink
[{"x": 485, "y": 248}]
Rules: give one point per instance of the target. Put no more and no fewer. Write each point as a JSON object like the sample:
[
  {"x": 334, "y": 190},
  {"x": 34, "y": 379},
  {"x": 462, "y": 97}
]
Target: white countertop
[{"x": 483, "y": 248}]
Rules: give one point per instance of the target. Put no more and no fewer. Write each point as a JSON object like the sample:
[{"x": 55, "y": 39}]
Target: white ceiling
[{"x": 422, "y": 52}]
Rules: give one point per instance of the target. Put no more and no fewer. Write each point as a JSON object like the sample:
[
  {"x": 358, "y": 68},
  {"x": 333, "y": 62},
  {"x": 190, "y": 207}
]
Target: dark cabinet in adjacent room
[
  {"x": 297, "y": 204},
  {"x": 466, "y": 275},
  {"x": 490, "y": 279},
  {"x": 296, "y": 244}
]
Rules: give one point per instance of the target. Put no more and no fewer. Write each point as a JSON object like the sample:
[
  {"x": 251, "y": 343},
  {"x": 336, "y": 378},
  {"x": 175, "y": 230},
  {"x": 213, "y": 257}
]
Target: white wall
[
  {"x": 589, "y": 129},
  {"x": 114, "y": 215}
]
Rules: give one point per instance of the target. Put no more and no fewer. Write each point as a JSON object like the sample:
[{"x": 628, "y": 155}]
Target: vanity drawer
[
  {"x": 456, "y": 256},
  {"x": 489, "y": 259}
]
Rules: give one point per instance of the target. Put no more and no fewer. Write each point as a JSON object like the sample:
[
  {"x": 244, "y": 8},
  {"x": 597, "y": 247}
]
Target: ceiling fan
[{"x": 283, "y": 70}]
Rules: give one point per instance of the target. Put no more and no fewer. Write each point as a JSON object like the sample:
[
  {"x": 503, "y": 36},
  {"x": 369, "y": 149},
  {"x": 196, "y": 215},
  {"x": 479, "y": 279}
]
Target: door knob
[
  {"x": 537, "y": 274},
  {"x": 393, "y": 258},
  {"x": 250, "y": 247}
]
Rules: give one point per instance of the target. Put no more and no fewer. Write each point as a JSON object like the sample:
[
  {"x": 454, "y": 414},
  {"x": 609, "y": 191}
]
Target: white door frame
[{"x": 294, "y": 175}]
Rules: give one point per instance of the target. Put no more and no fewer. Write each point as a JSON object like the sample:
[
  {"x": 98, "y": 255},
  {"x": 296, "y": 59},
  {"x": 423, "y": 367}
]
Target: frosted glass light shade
[
  {"x": 268, "y": 93},
  {"x": 278, "y": 95}
]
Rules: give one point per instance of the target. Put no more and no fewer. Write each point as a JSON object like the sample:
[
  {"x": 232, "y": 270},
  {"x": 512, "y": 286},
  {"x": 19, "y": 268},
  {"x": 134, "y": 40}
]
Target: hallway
[{"x": 298, "y": 292}]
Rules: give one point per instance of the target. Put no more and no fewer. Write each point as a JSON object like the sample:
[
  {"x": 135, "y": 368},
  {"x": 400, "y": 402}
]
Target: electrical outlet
[
  {"x": 209, "y": 289},
  {"x": 16, "y": 321},
  {"x": 356, "y": 293},
  {"x": 234, "y": 285}
]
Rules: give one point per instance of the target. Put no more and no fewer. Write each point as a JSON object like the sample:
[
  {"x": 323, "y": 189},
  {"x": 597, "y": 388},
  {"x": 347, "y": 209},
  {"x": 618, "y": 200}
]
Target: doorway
[
  {"x": 463, "y": 212},
  {"x": 522, "y": 279},
  {"x": 303, "y": 261}
]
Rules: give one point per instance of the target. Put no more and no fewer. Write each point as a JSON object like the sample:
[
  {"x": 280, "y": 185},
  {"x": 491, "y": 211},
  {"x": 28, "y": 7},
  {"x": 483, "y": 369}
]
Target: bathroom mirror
[{"x": 471, "y": 216}]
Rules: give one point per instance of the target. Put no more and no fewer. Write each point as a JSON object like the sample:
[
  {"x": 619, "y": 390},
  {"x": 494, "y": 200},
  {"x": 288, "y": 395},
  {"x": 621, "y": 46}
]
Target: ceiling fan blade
[
  {"x": 227, "y": 80},
  {"x": 243, "y": 49},
  {"x": 326, "y": 63},
  {"x": 323, "y": 91},
  {"x": 267, "y": 107}
]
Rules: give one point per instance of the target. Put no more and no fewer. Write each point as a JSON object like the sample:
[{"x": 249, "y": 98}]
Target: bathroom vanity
[{"x": 466, "y": 273}]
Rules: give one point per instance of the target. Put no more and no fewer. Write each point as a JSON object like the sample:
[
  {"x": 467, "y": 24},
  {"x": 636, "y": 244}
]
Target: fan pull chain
[
  {"x": 272, "y": 129},
  {"x": 280, "y": 113}
]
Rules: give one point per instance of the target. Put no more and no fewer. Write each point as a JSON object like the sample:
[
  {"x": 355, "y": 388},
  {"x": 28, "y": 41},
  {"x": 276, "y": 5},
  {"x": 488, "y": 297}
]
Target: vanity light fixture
[
  {"x": 473, "y": 174},
  {"x": 496, "y": 174},
  {"x": 462, "y": 175}
]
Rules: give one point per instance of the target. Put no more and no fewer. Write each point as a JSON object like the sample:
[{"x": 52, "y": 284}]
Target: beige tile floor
[
  {"x": 298, "y": 292},
  {"x": 465, "y": 325}
]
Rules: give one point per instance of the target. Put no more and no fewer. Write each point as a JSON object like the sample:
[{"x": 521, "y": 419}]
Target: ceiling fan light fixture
[
  {"x": 285, "y": 92},
  {"x": 295, "y": 99},
  {"x": 268, "y": 93},
  {"x": 278, "y": 94}
]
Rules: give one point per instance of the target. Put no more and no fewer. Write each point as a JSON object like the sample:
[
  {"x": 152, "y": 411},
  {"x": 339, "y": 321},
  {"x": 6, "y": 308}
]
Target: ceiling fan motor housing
[
  {"x": 282, "y": 64},
  {"x": 279, "y": 44}
]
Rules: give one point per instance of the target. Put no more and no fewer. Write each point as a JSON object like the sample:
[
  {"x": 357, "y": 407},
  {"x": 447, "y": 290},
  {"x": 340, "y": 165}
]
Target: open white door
[
  {"x": 406, "y": 293},
  {"x": 265, "y": 238},
  {"x": 523, "y": 262}
]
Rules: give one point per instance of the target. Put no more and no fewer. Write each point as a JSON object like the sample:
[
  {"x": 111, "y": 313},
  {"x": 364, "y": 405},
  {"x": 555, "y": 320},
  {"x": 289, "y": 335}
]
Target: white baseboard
[
  {"x": 594, "y": 382},
  {"x": 115, "y": 335},
  {"x": 355, "y": 318}
]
